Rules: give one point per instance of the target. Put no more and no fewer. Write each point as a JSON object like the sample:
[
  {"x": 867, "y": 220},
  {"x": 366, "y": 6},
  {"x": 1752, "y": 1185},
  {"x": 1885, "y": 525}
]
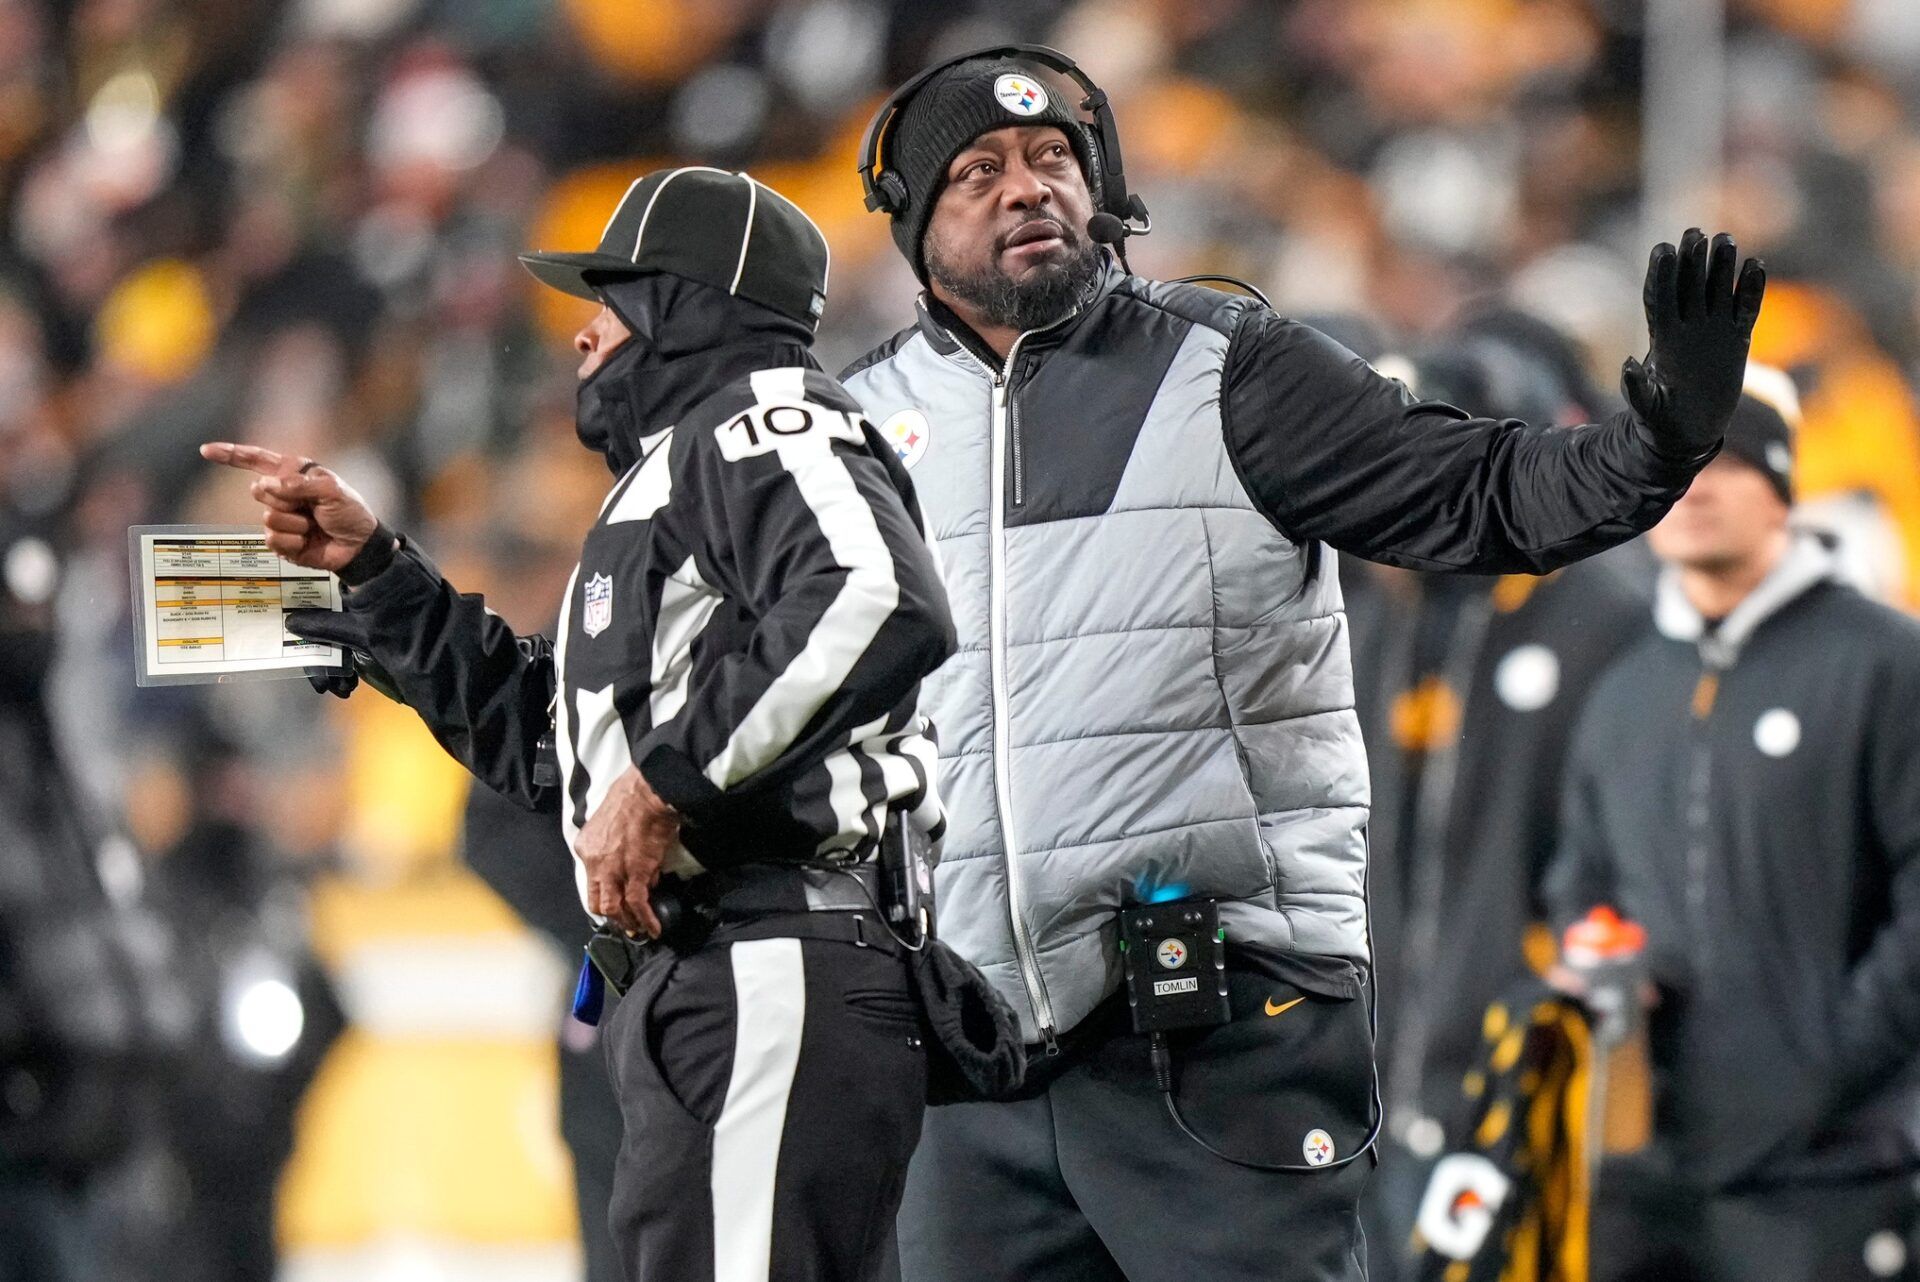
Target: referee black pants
[{"x": 772, "y": 1092}]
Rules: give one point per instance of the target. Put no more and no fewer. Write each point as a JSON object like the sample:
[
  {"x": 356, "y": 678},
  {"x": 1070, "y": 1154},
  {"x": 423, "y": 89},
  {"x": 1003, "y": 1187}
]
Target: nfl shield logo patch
[{"x": 599, "y": 605}]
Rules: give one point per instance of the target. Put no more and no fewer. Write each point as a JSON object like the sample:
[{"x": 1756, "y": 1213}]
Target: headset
[{"x": 1117, "y": 211}]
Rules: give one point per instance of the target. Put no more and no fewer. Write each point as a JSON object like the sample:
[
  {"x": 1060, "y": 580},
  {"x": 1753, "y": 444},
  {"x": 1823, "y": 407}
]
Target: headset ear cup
[{"x": 893, "y": 192}]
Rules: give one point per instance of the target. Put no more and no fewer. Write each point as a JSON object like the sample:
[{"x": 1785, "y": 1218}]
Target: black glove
[
  {"x": 1699, "y": 323},
  {"x": 974, "y": 1052},
  {"x": 348, "y": 631}
]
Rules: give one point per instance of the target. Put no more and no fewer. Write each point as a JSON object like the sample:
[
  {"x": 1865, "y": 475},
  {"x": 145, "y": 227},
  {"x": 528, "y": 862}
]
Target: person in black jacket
[
  {"x": 1744, "y": 785},
  {"x": 732, "y": 699},
  {"x": 1135, "y": 486},
  {"x": 79, "y": 1051},
  {"x": 522, "y": 857},
  {"x": 1467, "y": 688}
]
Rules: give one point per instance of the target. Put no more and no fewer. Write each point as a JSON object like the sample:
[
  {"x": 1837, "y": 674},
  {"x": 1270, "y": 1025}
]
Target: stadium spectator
[
  {"x": 1742, "y": 784},
  {"x": 77, "y": 1046},
  {"x": 522, "y": 857},
  {"x": 1466, "y": 688}
]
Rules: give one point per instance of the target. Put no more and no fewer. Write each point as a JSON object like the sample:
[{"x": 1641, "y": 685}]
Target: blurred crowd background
[{"x": 292, "y": 222}]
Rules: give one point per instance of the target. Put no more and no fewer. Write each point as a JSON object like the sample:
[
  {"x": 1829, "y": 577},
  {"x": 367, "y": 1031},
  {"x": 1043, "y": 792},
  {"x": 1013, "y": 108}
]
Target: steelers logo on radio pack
[
  {"x": 908, "y": 432},
  {"x": 1172, "y": 953},
  {"x": 1020, "y": 95}
]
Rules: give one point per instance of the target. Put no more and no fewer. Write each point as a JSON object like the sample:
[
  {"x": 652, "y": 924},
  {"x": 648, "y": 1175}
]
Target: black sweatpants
[
  {"x": 1647, "y": 1229},
  {"x": 772, "y": 1091},
  {"x": 1089, "y": 1181}
]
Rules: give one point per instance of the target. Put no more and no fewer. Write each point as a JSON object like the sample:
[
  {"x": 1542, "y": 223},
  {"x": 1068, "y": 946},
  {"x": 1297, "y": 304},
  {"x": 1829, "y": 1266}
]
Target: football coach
[{"x": 1133, "y": 487}]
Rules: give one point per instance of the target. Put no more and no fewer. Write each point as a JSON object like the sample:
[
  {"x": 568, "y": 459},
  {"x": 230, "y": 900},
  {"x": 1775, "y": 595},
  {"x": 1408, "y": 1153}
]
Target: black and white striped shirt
[{"x": 748, "y": 624}]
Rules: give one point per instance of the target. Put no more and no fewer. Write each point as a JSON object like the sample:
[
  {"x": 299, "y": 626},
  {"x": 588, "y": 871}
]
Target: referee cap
[{"x": 727, "y": 230}]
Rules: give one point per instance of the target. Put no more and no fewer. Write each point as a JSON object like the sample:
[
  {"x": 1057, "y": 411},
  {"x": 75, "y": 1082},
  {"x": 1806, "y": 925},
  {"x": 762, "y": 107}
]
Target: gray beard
[{"x": 1043, "y": 298}]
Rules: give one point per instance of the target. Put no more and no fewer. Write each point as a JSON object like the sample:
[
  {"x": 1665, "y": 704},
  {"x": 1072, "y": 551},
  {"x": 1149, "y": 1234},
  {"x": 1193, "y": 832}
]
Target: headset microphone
[{"x": 1107, "y": 229}]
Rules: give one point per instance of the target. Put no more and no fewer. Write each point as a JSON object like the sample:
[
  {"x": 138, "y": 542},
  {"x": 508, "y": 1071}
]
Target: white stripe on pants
[{"x": 770, "y": 990}]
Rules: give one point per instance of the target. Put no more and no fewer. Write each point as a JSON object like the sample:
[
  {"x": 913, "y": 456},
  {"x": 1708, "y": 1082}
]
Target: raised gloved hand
[{"x": 1699, "y": 323}]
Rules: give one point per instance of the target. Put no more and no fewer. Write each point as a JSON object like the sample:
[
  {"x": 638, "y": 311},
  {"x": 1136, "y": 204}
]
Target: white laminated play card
[{"x": 209, "y": 603}]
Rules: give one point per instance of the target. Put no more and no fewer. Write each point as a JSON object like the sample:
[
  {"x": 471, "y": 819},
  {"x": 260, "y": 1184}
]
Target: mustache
[{"x": 1070, "y": 236}]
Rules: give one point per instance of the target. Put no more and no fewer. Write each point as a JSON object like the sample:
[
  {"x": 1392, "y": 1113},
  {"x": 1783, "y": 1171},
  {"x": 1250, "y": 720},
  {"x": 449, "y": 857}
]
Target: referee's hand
[
  {"x": 312, "y": 517},
  {"x": 623, "y": 846}
]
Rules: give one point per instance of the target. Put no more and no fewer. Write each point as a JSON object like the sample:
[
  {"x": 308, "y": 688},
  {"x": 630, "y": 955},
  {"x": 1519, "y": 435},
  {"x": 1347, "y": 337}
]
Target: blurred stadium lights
[
  {"x": 124, "y": 112},
  {"x": 1683, "y": 140},
  {"x": 828, "y": 54},
  {"x": 442, "y": 116},
  {"x": 720, "y": 110}
]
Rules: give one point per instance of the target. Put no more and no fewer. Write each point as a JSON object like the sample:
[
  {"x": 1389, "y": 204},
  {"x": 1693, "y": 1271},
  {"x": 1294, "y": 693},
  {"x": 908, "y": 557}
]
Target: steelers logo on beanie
[{"x": 952, "y": 109}]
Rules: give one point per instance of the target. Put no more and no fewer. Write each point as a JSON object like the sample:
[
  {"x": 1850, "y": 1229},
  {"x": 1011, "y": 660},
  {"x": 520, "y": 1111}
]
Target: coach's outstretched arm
[
  {"x": 1332, "y": 450},
  {"x": 481, "y": 690}
]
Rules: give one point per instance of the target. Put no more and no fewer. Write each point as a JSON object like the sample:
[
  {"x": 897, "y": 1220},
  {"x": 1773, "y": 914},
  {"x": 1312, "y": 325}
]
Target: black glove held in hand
[
  {"x": 1699, "y": 322},
  {"x": 975, "y": 1052},
  {"x": 349, "y": 632}
]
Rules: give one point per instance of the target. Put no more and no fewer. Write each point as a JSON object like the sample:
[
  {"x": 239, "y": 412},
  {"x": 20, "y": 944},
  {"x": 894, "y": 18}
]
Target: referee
[{"x": 732, "y": 698}]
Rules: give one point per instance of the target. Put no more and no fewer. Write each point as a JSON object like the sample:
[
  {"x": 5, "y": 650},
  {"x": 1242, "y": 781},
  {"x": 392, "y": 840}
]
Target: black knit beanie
[
  {"x": 1760, "y": 436},
  {"x": 959, "y": 104}
]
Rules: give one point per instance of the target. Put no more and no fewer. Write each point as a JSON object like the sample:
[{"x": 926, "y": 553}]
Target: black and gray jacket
[
  {"x": 1153, "y": 693},
  {"x": 748, "y": 624},
  {"x": 1750, "y": 793}
]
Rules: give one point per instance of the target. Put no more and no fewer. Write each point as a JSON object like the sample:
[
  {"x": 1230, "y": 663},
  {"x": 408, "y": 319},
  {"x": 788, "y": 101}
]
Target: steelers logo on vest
[
  {"x": 1317, "y": 1148},
  {"x": 1021, "y": 96},
  {"x": 908, "y": 432},
  {"x": 598, "y": 602}
]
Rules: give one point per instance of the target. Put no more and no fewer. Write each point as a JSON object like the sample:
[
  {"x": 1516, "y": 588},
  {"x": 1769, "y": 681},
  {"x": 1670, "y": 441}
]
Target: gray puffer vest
[{"x": 1152, "y": 696}]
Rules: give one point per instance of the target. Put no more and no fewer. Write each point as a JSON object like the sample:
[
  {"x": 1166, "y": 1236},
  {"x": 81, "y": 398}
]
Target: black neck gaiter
[
  {"x": 688, "y": 341},
  {"x": 606, "y": 413}
]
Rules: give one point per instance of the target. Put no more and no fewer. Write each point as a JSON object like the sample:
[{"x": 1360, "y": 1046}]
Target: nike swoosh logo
[{"x": 1275, "y": 1010}]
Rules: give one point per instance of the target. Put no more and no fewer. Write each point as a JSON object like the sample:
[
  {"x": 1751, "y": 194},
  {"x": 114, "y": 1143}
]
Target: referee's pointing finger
[{"x": 250, "y": 458}]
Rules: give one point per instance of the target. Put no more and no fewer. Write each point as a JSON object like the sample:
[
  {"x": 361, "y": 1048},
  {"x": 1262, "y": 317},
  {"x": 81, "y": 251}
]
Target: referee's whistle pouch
[
  {"x": 1175, "y": 957},
  {"x": 974, "y": 1051}
]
